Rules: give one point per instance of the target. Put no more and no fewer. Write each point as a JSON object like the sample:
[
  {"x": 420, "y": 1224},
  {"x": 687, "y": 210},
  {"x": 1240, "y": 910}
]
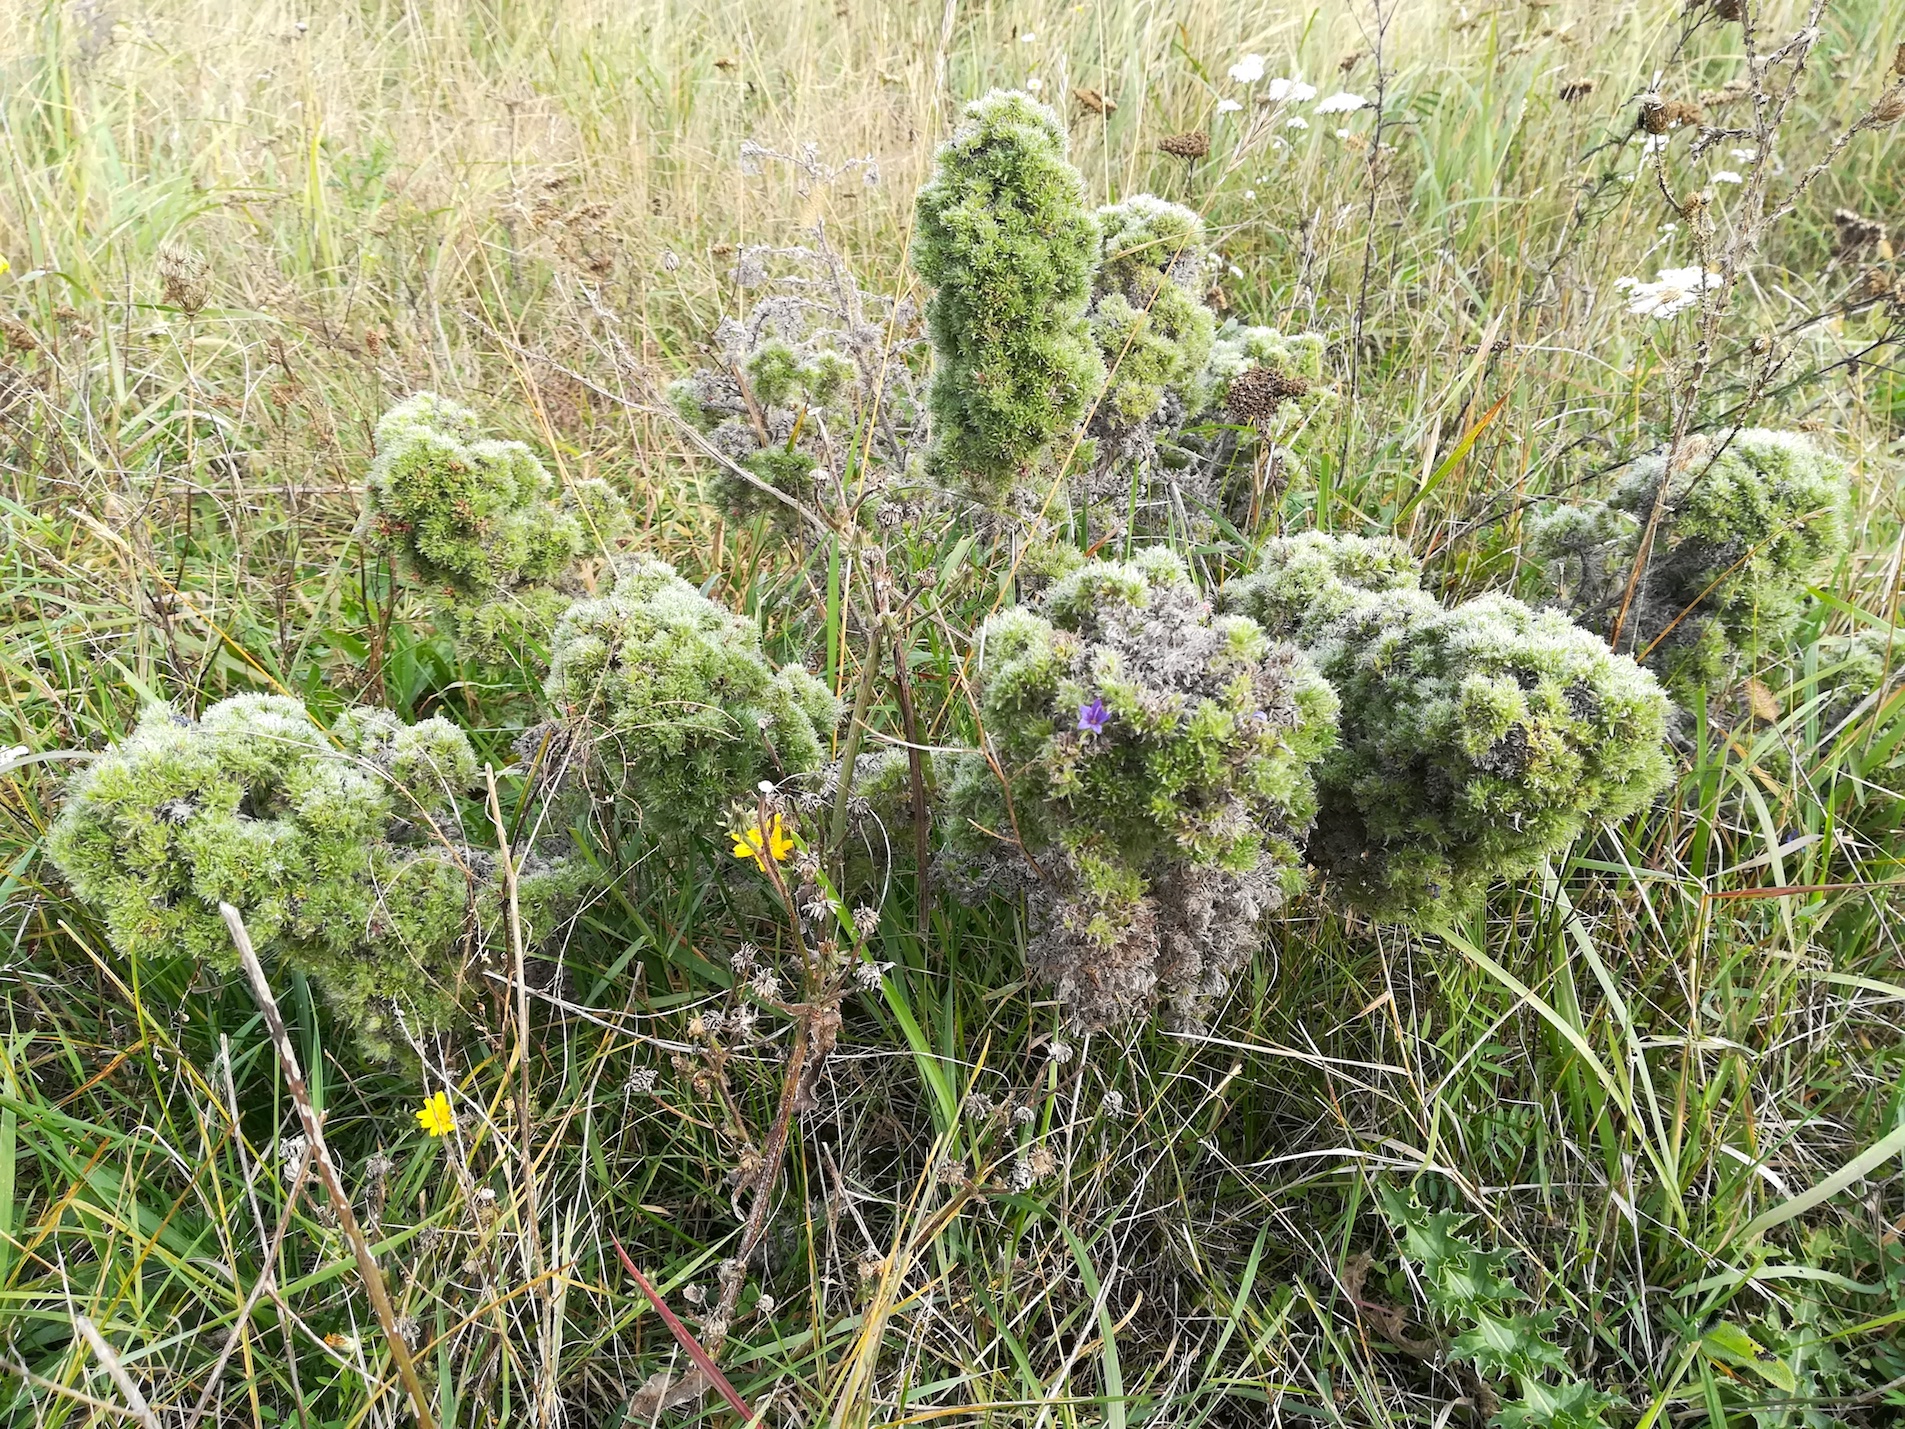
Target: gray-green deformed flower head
[
  {"x": 1148, "y": 314},
  {"x": 1157, "y": 766},
  {"x": 1745, "y": 524},
  {"x": 1475, "y": 741},
  {"x": 1005, "y": 238},
  {"x": 675, "y": 701},
  {"x": 340, "y": 851},
  {"x": 475, "y": 518}
]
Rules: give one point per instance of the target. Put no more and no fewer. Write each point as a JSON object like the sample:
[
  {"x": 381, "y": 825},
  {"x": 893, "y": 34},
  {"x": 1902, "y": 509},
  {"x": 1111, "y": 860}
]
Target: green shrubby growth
[
  {"x": 1475, "y": 741},
  {"x": 1157, "y": 767},
  {"x": 1746, "y": 524},
  {"x": 784, "y": 396},
  {"x": 1148, "y": 314},
  {"x": 669, "y": 699},
  {"x": 342, "y": 851},
  {"x": 478, "y": 521},
  {"x": 1005, "y": 238}
]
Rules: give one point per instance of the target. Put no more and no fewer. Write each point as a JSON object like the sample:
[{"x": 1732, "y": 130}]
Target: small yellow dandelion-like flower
[
  {"x": 761, "y": 844},
  {"x": 435, "y": 1116}
]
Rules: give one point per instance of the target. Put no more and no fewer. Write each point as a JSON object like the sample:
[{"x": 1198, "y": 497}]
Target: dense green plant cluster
[
  {"x": 1153, "y": 765},
  {"x": 669, "y": 699},
  {"x": 1467, "y": 1286},
  {"x": 811, "y": 396},
  {"x": 1475, "y": 741},
  {"x": 767, "y": 406},
  {"x": 1148, "y": 314},
  {"x": 478, "y": 521},
  {"x": 1004, "y": 235},
  {"x": 1746, "y": 522},
  {"x": 343, "y": 852}
]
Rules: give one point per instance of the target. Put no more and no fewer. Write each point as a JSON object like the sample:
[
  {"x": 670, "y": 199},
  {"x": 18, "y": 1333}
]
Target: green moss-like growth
[
  {"x": 1475, "y": 741},
  {"x": 479, "y": 522},
  {"x": 1157, "y": 765},
  {"x": 341, "y": 852},
  {"x": 1148, "y": 315},
  {"x": 1005, "y": 238},
  {"x": 1747, "y": 523},
  {"x": 674, "y": 704},
  {"x": 768, "y": 404}
]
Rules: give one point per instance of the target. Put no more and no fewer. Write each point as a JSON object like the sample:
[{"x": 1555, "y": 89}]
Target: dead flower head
[
  {"x": 1094, "y": 101},
  {"x": 184, "y": 278},
  {"x": 1574, "y": 91},
  {"x": 1192, "y": 144}
]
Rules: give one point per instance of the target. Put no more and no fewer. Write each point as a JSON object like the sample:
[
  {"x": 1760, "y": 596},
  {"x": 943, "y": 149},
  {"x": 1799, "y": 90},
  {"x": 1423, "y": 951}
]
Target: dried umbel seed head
[
  {"x": 1192, "y": 144},
  {"x": 1259, "y": 392},
  {"x": 1094, "y": 101},
  {"x": 1891, "y": 105},
  {"x": 185, "y": 278},
  {"x": 1658, "y": 115},
  {"x": 1575, "y": 90}
]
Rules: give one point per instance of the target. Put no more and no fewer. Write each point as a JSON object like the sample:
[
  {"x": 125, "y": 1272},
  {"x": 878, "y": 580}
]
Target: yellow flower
[
  {"x": 762, "y": 844},
  {"x": 435, "y": 1115}
]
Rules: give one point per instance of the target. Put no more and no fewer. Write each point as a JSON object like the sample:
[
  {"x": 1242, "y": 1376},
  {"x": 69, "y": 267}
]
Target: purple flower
[{"x": 1093, "y": 718}]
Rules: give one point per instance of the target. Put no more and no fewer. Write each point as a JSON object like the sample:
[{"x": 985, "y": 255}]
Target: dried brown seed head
[
  {"x": 1257, "y": 393},
  {"x": 1192, "y": 144},
  {"x": 1575, "y": 90},
  {"x": 1095, "y": 102}
]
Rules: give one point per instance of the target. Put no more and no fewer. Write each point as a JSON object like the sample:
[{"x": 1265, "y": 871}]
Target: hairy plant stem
[{"x": 856, "y": 730}]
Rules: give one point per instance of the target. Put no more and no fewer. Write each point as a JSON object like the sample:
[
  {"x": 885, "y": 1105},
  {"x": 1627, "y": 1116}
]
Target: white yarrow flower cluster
[
  {"x": 1228, "y": 106},
  {"x": 1293, "y": 90},
  {"x": 1247, "y": 70},
  {"x": 1676, "y": 290},
  {"x": 1727, "y": 176},
  {"x": 1341, "y": 102}
]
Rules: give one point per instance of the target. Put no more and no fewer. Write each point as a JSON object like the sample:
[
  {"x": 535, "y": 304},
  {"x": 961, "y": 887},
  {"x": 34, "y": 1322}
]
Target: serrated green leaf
[
  {"x": 1568, "y": 1405},
  {"x": 1511, "y": 1344},
  {"x": 1474, "y": 1280}
]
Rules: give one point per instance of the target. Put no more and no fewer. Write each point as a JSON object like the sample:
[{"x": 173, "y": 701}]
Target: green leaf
[
  {"x": 1728, "y": 1344},
  {"x": 1512, "y": 1344},
  {"x": 1568, "y": 1405},
  {"x": 1474, "y": 1281}
]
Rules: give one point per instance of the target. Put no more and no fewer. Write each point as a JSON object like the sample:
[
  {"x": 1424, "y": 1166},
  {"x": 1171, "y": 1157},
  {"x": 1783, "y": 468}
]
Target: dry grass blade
[{"x": 367, "y": 1267}]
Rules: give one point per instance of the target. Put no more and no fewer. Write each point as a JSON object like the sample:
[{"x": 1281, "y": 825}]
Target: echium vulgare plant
[
  {"x": 1148, "y": 315},
  {"x": 1745, "y": 523},
  {"x": 479, "y": 522},
  {"x": 668, "y": 699},
  {"x": 1005, "y": 237},
  {"x": 1146, "y": 776},
  {"x": 809, "y": 400},
  {"x": 1475, "y": 741},
  {"x": 343, "y": 851}
]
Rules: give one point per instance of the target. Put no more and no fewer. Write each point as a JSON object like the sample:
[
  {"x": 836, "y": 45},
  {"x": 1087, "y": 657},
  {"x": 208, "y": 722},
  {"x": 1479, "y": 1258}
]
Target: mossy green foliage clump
[
  {"x": 1157, "y": 766},
  {"x": 479, "y": 521},
  {"x": 1004, "y": 236},
  {"x": 674, "y": 703},
  {"x": 1148, "y": 314},
  {"x": 1475, "y": 741},
  {"x": 341, "y": 851},
  {"x": 1747, "y": 523},
  {"x": 768, "y": 404}
]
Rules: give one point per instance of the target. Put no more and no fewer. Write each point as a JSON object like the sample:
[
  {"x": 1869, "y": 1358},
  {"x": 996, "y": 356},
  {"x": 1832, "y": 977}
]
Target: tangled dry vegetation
[{"x": 1043, "y": 715}]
